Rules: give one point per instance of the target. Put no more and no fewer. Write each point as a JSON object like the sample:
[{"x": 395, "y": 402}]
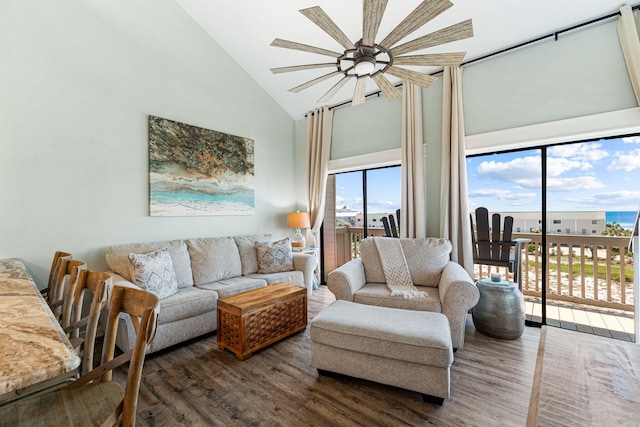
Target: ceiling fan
[{"x": 366, "y": 58}]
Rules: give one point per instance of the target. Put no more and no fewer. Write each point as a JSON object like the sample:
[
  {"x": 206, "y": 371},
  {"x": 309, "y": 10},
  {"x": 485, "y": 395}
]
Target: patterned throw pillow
[
  {"x": 274, "y": 257},
  {"x": 154, "y": 272}
]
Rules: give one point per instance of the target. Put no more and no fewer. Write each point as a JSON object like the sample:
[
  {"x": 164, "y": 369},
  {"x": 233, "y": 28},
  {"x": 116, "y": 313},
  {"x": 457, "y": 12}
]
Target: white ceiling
[{"x": 245, "y": 30}]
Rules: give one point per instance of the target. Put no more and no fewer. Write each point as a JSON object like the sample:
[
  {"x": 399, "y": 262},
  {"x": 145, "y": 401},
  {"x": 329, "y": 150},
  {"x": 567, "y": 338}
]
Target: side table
[{"x": 500, "y": 310}]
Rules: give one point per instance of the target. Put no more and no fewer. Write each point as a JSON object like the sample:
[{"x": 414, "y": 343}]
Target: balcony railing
[{"x": 591, "y": 270}]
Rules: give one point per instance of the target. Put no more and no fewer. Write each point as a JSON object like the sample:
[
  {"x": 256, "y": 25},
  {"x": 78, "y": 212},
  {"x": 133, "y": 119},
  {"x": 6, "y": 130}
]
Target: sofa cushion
[
  {"x": 154, "y": 272},
  {"x": 426, "y": 258},
  {"x": 118, "y": 261},
  {"x": 380, "y": 295},
  {"x": 293, "y": 277},
  {"x": 214, "y": 259},
  {"x": 188, "y": 302},
  {"x": 247, "y": 249},
  {"x": 274, "y": 257},
  {"x": 235, "y": 285}
]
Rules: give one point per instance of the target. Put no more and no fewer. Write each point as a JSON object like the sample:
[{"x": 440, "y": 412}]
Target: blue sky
[
  {"x": 600, "y": 175},
  {"x": 383, "y": 190}
]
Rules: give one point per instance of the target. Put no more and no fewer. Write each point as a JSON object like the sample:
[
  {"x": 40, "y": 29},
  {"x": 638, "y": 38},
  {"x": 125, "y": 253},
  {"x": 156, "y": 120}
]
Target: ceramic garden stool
[{"x": 500, "y": 310}]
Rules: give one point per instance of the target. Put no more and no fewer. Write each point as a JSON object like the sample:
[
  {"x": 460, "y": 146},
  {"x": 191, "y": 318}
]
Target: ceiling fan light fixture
[{"x": 364, "y": 65}]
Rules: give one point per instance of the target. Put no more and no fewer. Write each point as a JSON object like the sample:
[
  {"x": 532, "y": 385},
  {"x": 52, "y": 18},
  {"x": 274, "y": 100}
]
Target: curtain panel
[
  {"x": 455, "y": 224},
  {"x": 319, "y": 128},
  {"x": 412, "y": 200}
]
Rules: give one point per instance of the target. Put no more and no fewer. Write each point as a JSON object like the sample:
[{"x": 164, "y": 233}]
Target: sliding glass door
[
  {"x": 576, "y": 203},
  {"x": 356, "y": 202}
]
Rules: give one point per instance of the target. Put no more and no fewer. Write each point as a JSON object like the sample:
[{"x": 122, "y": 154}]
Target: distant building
[
  {"x": 561, "y": 222},
  {"x": 346, "y": 217}
]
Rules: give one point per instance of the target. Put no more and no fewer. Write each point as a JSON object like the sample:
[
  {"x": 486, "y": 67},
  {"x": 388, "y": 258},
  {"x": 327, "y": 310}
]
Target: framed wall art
[{"x": 196, "y": 171}]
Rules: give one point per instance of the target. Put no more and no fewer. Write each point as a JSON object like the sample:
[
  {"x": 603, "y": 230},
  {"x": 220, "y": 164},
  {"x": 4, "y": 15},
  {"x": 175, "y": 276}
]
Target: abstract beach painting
[{"x": 196, "y": 171}]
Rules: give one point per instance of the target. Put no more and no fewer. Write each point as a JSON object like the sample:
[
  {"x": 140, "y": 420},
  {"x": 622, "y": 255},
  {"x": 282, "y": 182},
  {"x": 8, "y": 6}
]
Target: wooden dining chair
[
  {"x": 94, "y": 399},
  {"x": 53, "y": 273},
  {"x": 61, "y": 290},
  {"x": 82, "y": 330}
]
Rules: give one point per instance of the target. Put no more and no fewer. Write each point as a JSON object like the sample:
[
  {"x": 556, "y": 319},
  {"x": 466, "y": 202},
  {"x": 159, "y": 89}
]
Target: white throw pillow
[
  {"x": 274, "y": 257},
  {"x": 154, "y": 272}
]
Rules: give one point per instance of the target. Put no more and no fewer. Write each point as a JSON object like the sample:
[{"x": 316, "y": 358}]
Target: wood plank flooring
[{"x": 196, "y": 384}]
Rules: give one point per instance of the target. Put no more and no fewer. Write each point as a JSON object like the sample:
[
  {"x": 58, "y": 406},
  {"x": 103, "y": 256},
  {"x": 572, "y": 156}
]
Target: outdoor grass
[{"x": 588, "y": 271}]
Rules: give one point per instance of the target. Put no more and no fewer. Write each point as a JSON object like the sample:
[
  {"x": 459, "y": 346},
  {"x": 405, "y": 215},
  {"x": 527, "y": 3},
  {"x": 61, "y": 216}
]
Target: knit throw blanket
[{"x": 396, "y": 272}]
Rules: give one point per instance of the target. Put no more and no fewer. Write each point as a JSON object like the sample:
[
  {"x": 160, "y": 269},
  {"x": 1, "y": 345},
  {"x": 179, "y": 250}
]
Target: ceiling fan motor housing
[{"x": 364, "y": 59}]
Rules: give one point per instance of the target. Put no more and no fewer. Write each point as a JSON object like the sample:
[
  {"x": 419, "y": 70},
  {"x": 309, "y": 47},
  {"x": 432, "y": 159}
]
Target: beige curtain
[
  {"x": 454, "y": 217},
  {"x": 319, "y": 127},
  {"x": 412, "y": 200},
  {"x": 630, "y": 43}
]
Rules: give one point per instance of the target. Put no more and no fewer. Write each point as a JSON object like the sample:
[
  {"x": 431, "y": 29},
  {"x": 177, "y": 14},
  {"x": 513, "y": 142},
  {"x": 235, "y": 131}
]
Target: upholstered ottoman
[{"x": 404, "y": 348}]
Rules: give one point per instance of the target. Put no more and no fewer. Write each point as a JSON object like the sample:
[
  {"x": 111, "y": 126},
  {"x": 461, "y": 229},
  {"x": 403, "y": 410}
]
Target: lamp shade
[{"x": 298, "y": 220}]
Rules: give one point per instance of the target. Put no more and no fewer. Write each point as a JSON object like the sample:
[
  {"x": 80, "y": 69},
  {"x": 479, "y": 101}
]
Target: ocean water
[{"x": 626, "y": 219}]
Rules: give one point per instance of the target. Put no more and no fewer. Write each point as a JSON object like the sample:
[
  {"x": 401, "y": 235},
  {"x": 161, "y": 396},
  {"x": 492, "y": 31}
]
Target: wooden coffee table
[{"x": 254, "y": 319}]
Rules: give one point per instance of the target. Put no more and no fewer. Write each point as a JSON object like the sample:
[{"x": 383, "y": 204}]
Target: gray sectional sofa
[{"x": 206, "y": 269}]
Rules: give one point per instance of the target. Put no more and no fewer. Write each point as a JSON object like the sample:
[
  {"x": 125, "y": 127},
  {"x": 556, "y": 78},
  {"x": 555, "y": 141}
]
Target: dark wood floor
[{"x": 196, "y": 384}]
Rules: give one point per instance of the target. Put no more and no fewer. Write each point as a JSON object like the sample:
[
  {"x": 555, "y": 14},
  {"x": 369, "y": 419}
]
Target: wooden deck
[{"x": 593, "y": 320}]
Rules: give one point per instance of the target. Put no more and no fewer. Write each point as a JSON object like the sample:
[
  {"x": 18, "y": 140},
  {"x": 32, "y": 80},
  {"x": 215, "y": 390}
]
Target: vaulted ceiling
[{"x": 245, "y": 30}]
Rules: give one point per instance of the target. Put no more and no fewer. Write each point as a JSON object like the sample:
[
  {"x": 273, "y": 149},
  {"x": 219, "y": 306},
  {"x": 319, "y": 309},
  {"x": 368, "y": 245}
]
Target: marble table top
[{"x": 33, "y": 347}]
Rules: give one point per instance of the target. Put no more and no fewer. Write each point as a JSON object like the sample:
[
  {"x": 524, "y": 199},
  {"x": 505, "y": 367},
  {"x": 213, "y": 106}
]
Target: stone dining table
[{"x": 33, "y": 346}]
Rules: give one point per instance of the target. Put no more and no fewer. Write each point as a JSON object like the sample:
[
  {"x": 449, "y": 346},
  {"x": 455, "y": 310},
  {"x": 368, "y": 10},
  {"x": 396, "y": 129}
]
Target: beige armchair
[{"x": 449, "y": 288}]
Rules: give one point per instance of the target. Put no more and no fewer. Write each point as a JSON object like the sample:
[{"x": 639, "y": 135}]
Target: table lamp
[{"x": 298, "y": 220}]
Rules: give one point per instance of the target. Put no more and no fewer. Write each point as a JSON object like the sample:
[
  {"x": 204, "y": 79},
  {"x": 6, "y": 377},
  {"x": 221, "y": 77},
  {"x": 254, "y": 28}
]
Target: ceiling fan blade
[
  {"x": 314, "y": 81},
  {"x": 459, "y": 31},
  {"x": 420, "y": 79},
  {"x": 387, "y": 88},
  {"x": 322, "y": 20},
  {"x": 372, "y": 11},
  {"x": 304, "y": 47},
  {"x": 302, "y": 67},
  {"x": 358, "y": 94},
  {"x": 425, "y": 12},
  {"x": 327, "y": 96},
  {"x": 440, "y": 59}
]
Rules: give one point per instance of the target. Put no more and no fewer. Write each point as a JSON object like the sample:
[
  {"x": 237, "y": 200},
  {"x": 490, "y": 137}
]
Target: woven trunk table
[{"x": 254, "y": 319}]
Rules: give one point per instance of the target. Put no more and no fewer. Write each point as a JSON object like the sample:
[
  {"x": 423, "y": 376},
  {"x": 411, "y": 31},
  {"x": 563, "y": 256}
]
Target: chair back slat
[
  {"x": 392, "y": 225},
  {"x": 507, "y": 234},
  {"x": 387, "y": 229},
  {"x": 496, "y": 243},
  {"x": 482, "y": 223}
]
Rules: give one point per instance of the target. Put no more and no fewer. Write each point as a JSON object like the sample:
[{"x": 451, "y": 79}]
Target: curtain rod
[{"x": 555, "y": 35}]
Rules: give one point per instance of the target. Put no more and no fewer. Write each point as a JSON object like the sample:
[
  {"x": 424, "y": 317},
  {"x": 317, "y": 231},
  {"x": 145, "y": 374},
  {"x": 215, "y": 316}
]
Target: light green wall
[
  {"x": 582, "y": 73},
  {"x": 77, "y": 82}
]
